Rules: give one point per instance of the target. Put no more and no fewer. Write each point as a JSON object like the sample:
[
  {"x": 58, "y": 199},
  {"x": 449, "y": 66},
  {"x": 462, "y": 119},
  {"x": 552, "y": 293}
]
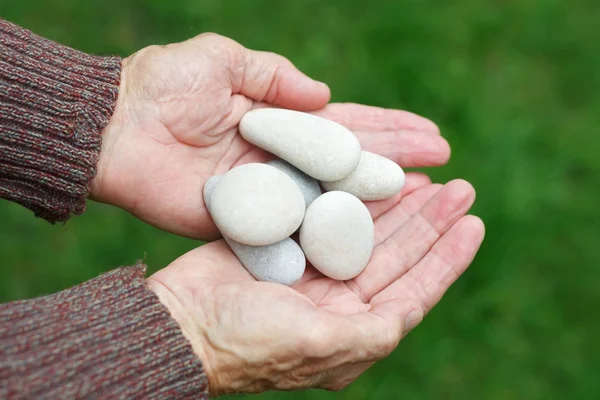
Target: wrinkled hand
[
  {"x": 254, "y": 336},
  {"x": 175, "y": 125}
]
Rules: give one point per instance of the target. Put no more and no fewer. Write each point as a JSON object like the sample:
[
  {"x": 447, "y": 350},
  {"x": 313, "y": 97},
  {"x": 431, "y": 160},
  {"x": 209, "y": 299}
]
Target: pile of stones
[{"x": 258, "y": 207}]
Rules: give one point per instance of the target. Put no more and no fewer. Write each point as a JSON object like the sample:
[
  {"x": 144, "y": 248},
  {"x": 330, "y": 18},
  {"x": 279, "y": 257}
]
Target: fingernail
[
  {"x": 322, "y": 84},
  {"x": 413, "y": 319}
]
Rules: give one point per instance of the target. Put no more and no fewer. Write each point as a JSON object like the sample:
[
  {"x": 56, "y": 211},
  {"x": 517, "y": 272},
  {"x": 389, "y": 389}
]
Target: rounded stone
[
  {"x": 257, "y": 205},
  {"x": 375, "y": 178},
  {"x": 338, "y": 235},
  {"x": 321, "y": 148},
  {"x": 309, "y": 186},
  {"x": 209, "y": 187},
  {"x": 282, "y": 262}
]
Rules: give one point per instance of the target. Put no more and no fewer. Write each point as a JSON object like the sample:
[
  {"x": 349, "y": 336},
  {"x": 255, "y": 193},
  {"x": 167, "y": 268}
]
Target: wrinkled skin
[
  {"x": 175, "y": 126},
  {"x": 254, "y": 336}
]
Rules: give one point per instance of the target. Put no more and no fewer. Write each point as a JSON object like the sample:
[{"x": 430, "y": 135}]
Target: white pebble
[
  {"x": 257, "y": 205},
  {"x": 309, "y": 186},
  {"x": 282, "y": 262},
  {"x": 321, "y": 148},
  {"x": 338, "y": 235},
  {"x": 375, "y": 178}
]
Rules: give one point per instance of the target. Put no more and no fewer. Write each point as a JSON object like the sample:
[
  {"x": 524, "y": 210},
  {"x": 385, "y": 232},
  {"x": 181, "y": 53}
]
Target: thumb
[{"x": 273, "y": 79}]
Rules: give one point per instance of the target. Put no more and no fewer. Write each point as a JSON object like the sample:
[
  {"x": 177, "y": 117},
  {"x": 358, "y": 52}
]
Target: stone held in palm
[
  {"x": 282, "y": 262},
  {"x": 309, "y": 186},
  {"x": 321, "y": 148},
  {"x": 209, "y": 187},
  {"x": 257, "y": 205},
  {"x": 338, "y": 235},
  {"x": 375, "y": 178}
]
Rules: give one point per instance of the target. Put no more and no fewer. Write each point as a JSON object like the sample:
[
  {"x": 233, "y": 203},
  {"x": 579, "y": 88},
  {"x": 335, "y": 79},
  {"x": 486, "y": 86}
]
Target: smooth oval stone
[
  {"x": 375, "y": 178},
  {"x": 309, "y": 186},
  {"x": 257, "y": 204},
  {"x": 282, "y": 262},
  {"x": 337, "y": 235},
  {"x": 321, "y": 148}
]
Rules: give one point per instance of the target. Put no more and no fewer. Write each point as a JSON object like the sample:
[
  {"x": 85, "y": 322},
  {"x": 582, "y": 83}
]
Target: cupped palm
[
  {"x": 176, "y": 119},
  {"x": 253, "y": 336}
]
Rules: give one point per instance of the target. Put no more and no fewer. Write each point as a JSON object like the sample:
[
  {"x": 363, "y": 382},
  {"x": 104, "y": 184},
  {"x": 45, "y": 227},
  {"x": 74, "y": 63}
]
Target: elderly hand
[
  {"x": 175, "y": 125},
  {"x": 254, "y": 336}
]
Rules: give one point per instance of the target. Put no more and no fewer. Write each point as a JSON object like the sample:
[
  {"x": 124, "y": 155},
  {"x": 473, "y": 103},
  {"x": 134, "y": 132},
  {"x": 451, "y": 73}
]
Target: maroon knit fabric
[
  {"x": 107, "y": 338},
  {"x": 54, "y": 103}
]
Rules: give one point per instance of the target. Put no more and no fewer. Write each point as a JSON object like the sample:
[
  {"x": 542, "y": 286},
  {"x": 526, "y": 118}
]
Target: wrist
[
  {"x": 189, "y": 328},
  {"x": 100, "y": 188}
]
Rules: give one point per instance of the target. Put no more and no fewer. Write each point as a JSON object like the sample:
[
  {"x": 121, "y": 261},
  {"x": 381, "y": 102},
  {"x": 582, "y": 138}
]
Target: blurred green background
[{"x": 513, "y": 85}]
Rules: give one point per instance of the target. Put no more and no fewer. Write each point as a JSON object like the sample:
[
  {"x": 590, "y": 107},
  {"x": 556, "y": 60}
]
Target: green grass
[{"x": 514, "y": 86}]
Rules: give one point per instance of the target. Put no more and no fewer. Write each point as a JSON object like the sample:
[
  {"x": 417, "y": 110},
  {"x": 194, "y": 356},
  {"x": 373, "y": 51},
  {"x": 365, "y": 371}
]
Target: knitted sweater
[{"x": 109, "y": 337}]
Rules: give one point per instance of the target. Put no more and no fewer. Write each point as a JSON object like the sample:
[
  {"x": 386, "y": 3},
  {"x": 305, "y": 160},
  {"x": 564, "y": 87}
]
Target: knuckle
[
  {"x": 221, "y": 47},
  {"x": 385, "y": 341},
  {"x": 218, "y": 42},
  {"x": 278, "y": 58},
  {"x": 295, "y": 380},
  {"x": 209, "y": 36},
  {"x": 336, "y": 386},
  {"x": 383, "y": 345},
  {"x": 390, "y": 343}
]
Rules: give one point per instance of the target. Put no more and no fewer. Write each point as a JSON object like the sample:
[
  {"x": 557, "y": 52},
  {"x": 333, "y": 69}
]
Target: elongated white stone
[
  {"x": 282, "y": 262},
  {"x": 337, "y": 235},
  {"x": 309, "y": 186},
  {"x": 257, "y": 205},
  {"x": 321, "y": 148},
  {"x": 375, "y": 178}
]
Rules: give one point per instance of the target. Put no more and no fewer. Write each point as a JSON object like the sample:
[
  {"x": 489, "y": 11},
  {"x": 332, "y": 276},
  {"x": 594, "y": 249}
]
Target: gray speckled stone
[
  {"x": 309, "y": 186},
  {"x": 282, "y": 262},
  {"x": 257, "y": 205},
  {"x": 321, "y": 148},
  {"x": 337, "y": 235},
  {"x": 375, "y": 178}
]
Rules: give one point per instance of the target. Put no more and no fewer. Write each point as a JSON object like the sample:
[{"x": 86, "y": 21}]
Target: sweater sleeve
[
  {"x": 54, "y": 104},
  {"x": 107, "y": 338}
]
